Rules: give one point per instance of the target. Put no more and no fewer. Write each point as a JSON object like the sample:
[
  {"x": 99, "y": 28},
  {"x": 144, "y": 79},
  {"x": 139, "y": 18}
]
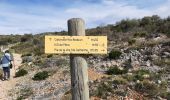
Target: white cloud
[
  {"x": 41, "y": 19},
  {"x": 163, "y": 10},
  {"x": 108, "y": 12},
  {"x": 31, "y": 21}
]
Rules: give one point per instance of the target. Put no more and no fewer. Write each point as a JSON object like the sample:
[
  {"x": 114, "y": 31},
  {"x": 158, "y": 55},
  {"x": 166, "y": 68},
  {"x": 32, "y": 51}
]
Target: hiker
[{"x": 6, "y": 62}]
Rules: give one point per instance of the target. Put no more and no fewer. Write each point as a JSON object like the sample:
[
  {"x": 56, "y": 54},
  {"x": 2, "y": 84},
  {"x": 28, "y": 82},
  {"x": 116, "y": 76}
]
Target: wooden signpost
[{"x": 77, "y": 44}]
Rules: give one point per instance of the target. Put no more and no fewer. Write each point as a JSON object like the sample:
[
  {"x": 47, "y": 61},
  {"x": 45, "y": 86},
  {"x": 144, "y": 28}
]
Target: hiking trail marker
[{"x": 77, "y": 45}]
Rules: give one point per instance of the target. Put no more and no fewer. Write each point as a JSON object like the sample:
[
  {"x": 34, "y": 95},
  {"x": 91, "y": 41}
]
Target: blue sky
[{"x": 36, "y": 16}]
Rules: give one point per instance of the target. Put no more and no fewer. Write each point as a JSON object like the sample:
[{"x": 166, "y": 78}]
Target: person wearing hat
[{"x": 6, "y": 61}]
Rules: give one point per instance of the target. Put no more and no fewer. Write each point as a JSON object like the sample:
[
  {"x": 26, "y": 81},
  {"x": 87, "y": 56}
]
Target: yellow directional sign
[{"x": 76, "y": 44}]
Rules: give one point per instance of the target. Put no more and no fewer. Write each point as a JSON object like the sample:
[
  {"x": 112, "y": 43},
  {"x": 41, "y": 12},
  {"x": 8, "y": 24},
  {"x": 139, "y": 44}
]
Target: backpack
[{"x": 9, "y": 61}]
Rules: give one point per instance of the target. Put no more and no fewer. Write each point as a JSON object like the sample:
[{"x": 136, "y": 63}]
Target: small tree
[
  {"x": 131, "y": 41},
  {"x": 21, "y": 72},
  {"x": 114, "y": 54},
  {"x": 41, "y": 75},
  {"x": 116, "y": 71},
  {"x": 147, "y": 87}
]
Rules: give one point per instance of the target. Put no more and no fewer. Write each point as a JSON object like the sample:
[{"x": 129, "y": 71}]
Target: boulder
[
  {"x": 148, "y": 63},
  {"x": 167, "y": 54},
  {"x": 135, "y": 65},
  {"x": 154, "y": 56}
]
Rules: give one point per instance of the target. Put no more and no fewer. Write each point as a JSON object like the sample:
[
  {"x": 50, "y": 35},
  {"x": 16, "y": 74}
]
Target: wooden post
[{"x": 78, "y": 64}]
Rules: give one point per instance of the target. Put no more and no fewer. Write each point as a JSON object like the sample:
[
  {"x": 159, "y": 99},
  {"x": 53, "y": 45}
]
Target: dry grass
[{"x": 95, "y": 75}]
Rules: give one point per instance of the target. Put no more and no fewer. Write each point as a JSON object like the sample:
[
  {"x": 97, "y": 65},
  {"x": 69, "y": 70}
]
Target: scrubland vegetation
[{"x": 137, "y": 63}]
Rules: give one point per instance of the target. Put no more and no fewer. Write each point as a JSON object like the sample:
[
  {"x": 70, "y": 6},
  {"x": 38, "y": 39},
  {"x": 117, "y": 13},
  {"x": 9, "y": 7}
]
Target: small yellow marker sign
[{"x": 76, "y": 44}]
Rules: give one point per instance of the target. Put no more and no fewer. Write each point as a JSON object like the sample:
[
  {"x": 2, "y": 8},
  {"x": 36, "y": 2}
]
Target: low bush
[
  {"x": 162, "y": 62},
  {"x": 1, "y": 54},
  {"x": 41, "y": 76},
  {"x": 38, "y": 51},
  {"x": 165, "y": 95},
  {"x": 67, "y": 95},
  {"x": 140, "y": 34},
  {"x": 156, "y": 76},
  {"x": 20, "y": 98},
  {"x": 49, "y": 56},
  {"x": 120, "y": 93},
  {"x": 23, "y": 48},
  {"x": 129, "y": 77},
  {"x": 25, "y": 93},
  {"x": 103, "y": 89},
  {"x": 26, "y": 37},
  {"x": 147, "y": 87},
  {"x": 131, "y": 41},
  {"x": 27, "y": 59},
  {"x": 114, "y": 54},
  {"x": 21, "y": 72},
  {"x": 140, "y": 73},
  {"x": 166, "y": 43},
  {"x": 143, "y": 34},
  {"x": 120, "y": 81},
  {"x": 116, "y": 71},
  {"x": 158, "y": 62},
  {"x": 27, "y": 54}
]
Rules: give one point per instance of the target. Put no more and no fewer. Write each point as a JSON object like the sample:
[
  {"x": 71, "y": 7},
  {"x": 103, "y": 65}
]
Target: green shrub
[
  {"x": 102, "y": 90},
  {"x": 36, "y": 41},
  {"x": 41, "y": 75},
  {"x": 114, "y": 54},
  {"x": 140, "y": 73},
  {"x": 120, "y": 81},
  {"x": 131, "y": 41},
  {"x": 62, "y": 62},
  {"x": 1, "y": 54},
  {"x": 49, "y": 56},
  {"x": 138, "y": 77},
  {"x": 147, "y": 87},
  {"x": 143, "y": 34},
  {"x": 67, "y": 95},
  {"x": 23, "y": 48},
  {"x": 157, "y": 76},
  {"x": 165, "y": 95},
  {"x": 25, "y": 93},
  {"x": 162, "y": 62},
  {"x": 27, "y": 54},
  {"x": 116, "y": 71},
  {"x": 163, "y": 86},
  {"x": 20, "y": 98},
  {"x": 26, "y": 37},
  {"x": 21, "y": 72},
  {"x": 158, "y": 62},
  {"x": 38, "y": 51},
  {"x": 140, "y": 34},
  {"x": 166, "y": 43},
  {"x": 129, "y": 77},
  {"x": 9, "y": 39}
]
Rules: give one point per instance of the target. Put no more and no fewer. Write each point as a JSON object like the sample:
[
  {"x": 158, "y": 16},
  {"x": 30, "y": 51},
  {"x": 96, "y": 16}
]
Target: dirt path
[{"x": 7, "y": 85}]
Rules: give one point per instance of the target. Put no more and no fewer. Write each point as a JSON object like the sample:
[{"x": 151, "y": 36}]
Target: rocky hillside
[
  {"x": 136, "y": 67},
  {"x": 136, "y": 71}
]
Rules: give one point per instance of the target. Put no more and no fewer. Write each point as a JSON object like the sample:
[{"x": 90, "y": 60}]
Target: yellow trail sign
[{"x": 76, "y": 44}]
